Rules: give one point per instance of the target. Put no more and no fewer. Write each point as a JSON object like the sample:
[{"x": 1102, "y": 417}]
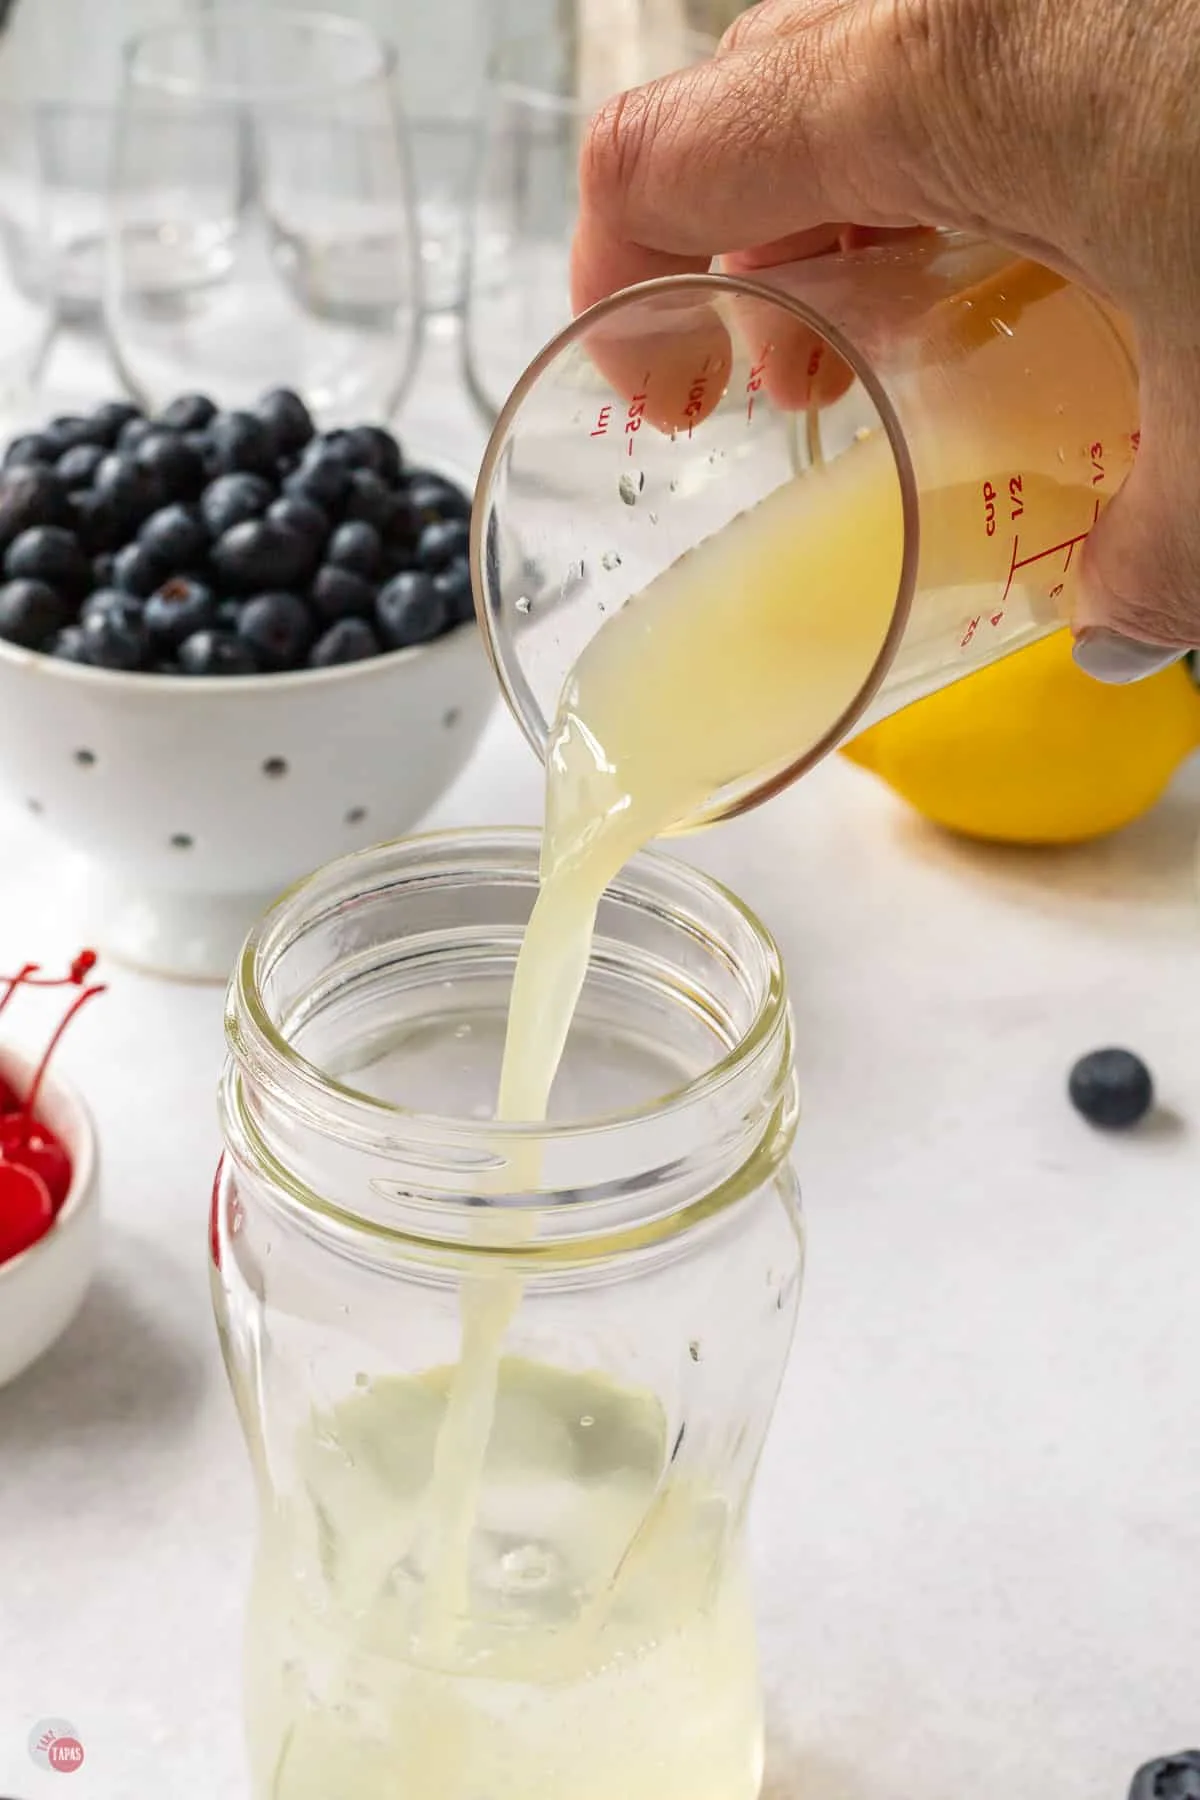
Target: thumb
[{"x": 1139, "y": 601}]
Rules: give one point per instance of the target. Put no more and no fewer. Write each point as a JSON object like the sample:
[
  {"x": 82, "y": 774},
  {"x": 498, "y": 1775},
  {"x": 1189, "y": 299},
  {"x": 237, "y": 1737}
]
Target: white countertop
[{"x": 978, "y": 1528}]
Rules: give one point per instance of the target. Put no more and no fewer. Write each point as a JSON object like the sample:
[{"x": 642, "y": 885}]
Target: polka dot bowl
[{"x": 195, "y": 801}]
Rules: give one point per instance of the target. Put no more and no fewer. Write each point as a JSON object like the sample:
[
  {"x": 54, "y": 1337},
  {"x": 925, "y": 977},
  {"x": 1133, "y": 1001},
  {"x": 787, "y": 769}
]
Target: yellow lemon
[{"x": 1032, "y": 751}]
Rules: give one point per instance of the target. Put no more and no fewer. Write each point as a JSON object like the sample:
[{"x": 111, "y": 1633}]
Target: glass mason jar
[{"x": 504, "y": 1387}]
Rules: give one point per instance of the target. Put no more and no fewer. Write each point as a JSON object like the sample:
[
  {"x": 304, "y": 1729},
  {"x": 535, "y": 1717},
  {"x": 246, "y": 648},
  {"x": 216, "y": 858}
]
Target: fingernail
[{"x": 1107, "y": 656}]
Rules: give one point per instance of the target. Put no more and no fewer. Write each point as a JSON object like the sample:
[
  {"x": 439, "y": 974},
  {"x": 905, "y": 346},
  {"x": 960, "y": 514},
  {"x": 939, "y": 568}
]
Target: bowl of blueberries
[{"x": 231, "y": 647}]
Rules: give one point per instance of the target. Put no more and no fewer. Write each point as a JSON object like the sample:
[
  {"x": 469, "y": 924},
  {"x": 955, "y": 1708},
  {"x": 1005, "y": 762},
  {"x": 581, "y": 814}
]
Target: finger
[
  {"x": 1139, "y": 601},
  {"x": 742, "y": 151}
]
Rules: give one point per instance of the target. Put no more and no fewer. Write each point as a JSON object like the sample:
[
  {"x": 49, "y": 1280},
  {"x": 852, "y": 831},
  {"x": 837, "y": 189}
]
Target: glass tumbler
[
  {"x": 504, "y": 1387},
  {"x": 262, "y": 228}
]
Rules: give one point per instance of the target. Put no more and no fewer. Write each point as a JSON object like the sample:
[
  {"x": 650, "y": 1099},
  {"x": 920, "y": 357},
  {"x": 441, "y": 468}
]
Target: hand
[{"x": 1066, "y": 129}]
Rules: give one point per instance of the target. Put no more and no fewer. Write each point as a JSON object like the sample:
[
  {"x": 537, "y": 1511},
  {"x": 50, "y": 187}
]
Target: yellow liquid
[
  {"x": 396, "y": 1654},
  {"x": 608, "y": 1653}
]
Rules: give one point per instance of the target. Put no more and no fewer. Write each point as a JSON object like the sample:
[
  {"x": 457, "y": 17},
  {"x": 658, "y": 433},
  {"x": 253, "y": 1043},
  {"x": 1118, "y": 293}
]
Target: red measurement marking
[
  {"x": 1066, "y": 549},
  {"x": 969, "y": 633},
  {"x": 1015, "y": 500},
  {"x": 989, "y": 509},
  {"x": 1096, "y": 453},
  {"x": 636, "y": 413},
  {"x": 756, "y": 377},
  {"x": 695, "y": 400},
  {"x": 603, "y": 421}
]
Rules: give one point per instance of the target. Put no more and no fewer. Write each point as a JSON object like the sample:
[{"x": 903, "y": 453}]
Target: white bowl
[
  {"x": 42, "y": 1289},
  {"x": 196, "y": 801}
]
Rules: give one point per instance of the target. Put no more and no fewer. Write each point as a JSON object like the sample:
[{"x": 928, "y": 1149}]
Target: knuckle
[{"x": 613, "y": 150}]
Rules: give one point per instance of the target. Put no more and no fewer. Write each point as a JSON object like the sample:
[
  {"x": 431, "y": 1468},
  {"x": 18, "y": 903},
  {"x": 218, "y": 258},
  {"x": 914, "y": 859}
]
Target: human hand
[{"x": 1069, "y": 132}]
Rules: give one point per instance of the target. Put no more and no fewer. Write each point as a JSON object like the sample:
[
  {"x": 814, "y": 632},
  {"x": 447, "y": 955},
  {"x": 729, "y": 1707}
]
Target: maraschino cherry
[{"x": 35, "y": 1169}]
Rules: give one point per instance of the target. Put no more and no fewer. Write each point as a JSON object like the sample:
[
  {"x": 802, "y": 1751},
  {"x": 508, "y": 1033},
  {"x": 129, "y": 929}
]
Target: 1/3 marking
[{"x": 1096, "y": 453}]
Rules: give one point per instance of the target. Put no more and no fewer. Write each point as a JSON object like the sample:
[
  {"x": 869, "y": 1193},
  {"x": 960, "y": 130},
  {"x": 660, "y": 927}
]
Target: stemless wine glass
[
  {"x": 541, "y": 91},
  {"x": 262, "y": 225}
]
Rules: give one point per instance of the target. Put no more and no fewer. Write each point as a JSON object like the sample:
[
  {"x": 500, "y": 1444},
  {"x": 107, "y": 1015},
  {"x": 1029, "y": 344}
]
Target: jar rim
[{"x": 255, "y": 1036}]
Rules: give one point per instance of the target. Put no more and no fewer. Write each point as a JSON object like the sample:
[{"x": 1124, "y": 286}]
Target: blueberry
[
  {"x": 432, "y": 498},
  {"x": 176, "y": 467},
  {"x": 190, "y": 412},
  {"x": 102, "y": 570},
  {"x": 321, "y": 476},
  {"x": 114, "y": 635},
  {"x": 31, "y": 613},
  {"x": 350, "y": 640},
  {"x": 68, "y": 431},
  {"x": 374, "y": 502},
  {"x": 95, "y": 521},
  {"x": 105, "y": 600},
  {"x": 340, "y": 594},
  {"x": 31, "y": 447},
  {"x": 70, "y": 645},
  {"x": 1168, "y": 1778},
  {"x": 340, "y": 445},
  {"x": 176, "y": 535},
  {"x": 357, "y": 547},
  {"x": 232, "y": 499},
  {"x": 409, "y": 610},
  {"x": 304, "y": 517},
  {"x": 109, "y": 420},
  {"x": 137, "y": 571},
  {"x": 202, "y": 444},
  {"x": 259, "y": 555},
  {"x": 242, "y": 442},
  {"x": 442, "y": 542},
  {"x": 454, "y": 586},
  {"x": 76, "y": 468},
  {"x": 377, "y": 450},
  {"x": 178, "y": 608},
  {"x": 216, "y": 653},
  {"x": 30, "y": 496},
  {"x": 1111, "y": 1088},
  {"x": 132, "y": 433},
  {"x": 287, "y": 420},
  {"x": 229, "y": 613},
  {"x": 278, "y": 629},
  {"x": 50, "y": 554},
  {"x": 132, "y": 491}
]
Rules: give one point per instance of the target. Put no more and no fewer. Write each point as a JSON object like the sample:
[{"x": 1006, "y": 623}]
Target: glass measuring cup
[{"x": 989, "y": 405}]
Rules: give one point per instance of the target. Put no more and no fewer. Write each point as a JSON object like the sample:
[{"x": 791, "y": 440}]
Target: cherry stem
[
  {"x": 13, "y": 982},
  {"x": 29, "y": 1110}
]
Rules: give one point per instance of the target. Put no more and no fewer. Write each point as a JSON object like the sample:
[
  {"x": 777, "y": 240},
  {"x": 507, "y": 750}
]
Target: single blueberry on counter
[
  {"x": 1168, "y": 1778},
  {"x": 1111, "y": 1088}
]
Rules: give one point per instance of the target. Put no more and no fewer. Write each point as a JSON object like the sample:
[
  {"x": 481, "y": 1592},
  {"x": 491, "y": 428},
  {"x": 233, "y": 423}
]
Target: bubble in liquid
[
  {"x": 630, "y": 486},
  {"x": 610, "y": 561}
]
